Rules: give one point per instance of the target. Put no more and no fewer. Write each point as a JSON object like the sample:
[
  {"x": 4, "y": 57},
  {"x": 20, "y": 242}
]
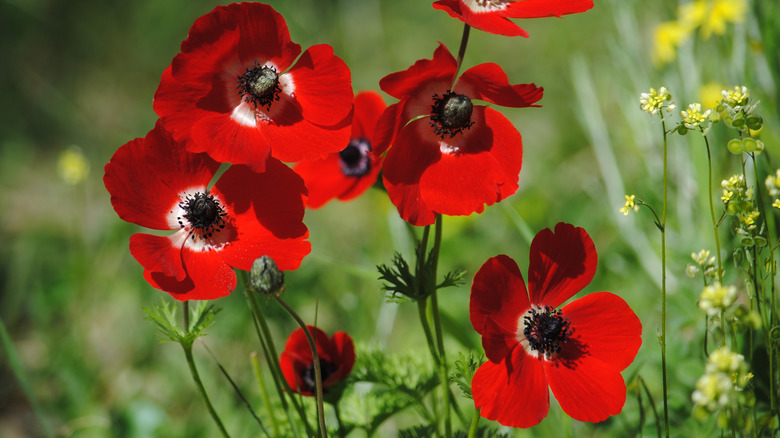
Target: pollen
[
  {"x": 451, "y": 114},
  {"x": 203, "y": 215},
  {"x": 546, "y": 329},
  {"x": 259, "y": 85}
]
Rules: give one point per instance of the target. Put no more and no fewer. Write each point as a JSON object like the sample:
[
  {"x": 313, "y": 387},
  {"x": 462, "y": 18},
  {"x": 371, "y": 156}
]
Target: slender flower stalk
[
  {"x": 187, "y": 347},
  {"x": 264, "y": 391},
  {"x": 712, "y": 210},
  {"x": 443, "y": 374},
  {"x": 315, "y": 361},
  {"x": 663, "y": 278},
  {"x": 474, "y": 424}
]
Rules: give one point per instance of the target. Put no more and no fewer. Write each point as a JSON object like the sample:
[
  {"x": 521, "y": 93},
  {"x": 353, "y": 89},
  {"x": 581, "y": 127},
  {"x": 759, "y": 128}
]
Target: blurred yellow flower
[
  {"x": 710, "y": 94},
  {"x": 667, "y": 37},
  {"x": 72, "y": 165},
  {"x": 709, "y": 16},
  {"x": 718, "y": 13}
]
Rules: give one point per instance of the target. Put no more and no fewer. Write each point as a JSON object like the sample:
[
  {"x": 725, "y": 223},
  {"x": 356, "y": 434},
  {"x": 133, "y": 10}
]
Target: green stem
[
  {"x": 474, "y": 424},
  {"x": 315, "y": 363},
  {"x": 272, "y": 358},
  {"x": 264, "y": 391},
  {"x": 663, "y": 280},
  {"x": 712, "y": 210},
  {"x": 18, "y": 370},
  {"x": 464, "y": 40},
  {"x": 196, "y": 377},
  {"x": 421, "y": 310},
  {"x": 652, "y": 404},
  {"x": 443, "y": 374}
]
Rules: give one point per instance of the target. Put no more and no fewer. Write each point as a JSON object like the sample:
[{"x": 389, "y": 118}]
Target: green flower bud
[{"x": 265, "y": 277}]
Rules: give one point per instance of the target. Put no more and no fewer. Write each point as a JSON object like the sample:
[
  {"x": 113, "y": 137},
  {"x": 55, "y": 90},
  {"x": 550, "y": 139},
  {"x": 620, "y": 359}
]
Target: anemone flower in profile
[
  {"x": 493, "y": 16},
  {"x": 237, "y": 92},
  {"x": 337, "y": 357},
  {"x": 450, "y": 155},
  {"x": 350, "y": 172},
  {"x": 533, "y": 340},
  {"x": 155, "y": 183}
]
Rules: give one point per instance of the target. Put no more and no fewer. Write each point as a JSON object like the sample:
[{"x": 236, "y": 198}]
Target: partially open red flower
[
  {"x": 347, "y": 174},
  {"x": 450, "y": 155},
  {"x": 337, "y": 357},
  {"x": 234, "y": 91},
  {"x": 531, "y": 341},
  {"x": 155, "y": 183},
  {"x": 493, "y": 15}
]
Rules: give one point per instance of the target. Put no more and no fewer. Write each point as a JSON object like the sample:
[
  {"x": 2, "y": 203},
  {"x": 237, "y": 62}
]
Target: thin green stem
[
  {"x": 443, "y": 374},
  {"x": 272, "y": 358},
  {"x": 18, "y": 370},
  {"x": 264, "y": 391},
  {"x": 474, "y": 424},
  {"x": 421, "y": 310},
  {"x": 464, "y": 40},
  {"x": 652, "y": 404},
  {"x": 201, "y": 389},
  {"x": 315, "y": 363},
  {"x": 663, "y": 279},
  {"x": 712, "y": 210}
]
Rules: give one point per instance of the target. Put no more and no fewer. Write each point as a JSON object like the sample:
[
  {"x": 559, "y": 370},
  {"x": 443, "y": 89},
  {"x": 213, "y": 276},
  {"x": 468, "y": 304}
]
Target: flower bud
[{"x": 265, "y": 277}]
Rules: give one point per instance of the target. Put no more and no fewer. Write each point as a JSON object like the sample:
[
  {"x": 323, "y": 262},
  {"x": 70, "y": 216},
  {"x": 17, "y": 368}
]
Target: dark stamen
[
  {"x": 354, "y": 159},
  {"x": 546, "y": 329},
  {"x": 259, "y": 86},
  {"x": 309, "y": 383},
  {"x": 451, "y": 114},
  {"x": 204, "y": 215}
]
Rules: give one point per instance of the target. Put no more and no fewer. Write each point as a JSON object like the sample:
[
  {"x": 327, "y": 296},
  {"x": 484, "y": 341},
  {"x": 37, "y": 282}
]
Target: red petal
[
  {"x": 267, "y": 213},
  {"x": 211, "y": 276},
  {"x": 159, "y": 254},
  {"x": 145, "y": 177},
  {"x": 498, "y": 295},
  {"x": 406, "y": 83},
  {"x": 605, "y": 327},
  {"x": 482, "y": 170},
  {"x": 514, "y": 393},
  {"x": 404, "y": 165},
  {"x": 587, "y": 389},
  {"x": 325, "y": 180},
  {"x": 491, "y": 22},
  {"x": 345, "y": 357},
  {"x": 387, "y": 126},
  {"x": 303, "y": 140},
  {"x": 488, "y": 82},
  {"x": 246, "y": 144},
  {"x": 369, "y": 106},
  {"x": 264, "y": 35},
  {"x": 323, "y": 86},
  {"x": 560, "y": 264},
  {"x": 546, "y": 8}
]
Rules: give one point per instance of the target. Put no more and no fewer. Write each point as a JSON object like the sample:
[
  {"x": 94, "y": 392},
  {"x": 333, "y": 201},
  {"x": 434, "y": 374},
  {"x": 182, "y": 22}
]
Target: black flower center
[
  {"x": 203, "y": 213},
  {"x": 309, "y": 382},
  {"x": 546, "y": 329},
  {"x": 451, "y": 114},
  {"x": 259, "y": 85},
  {"x": 354, "y": 159}
]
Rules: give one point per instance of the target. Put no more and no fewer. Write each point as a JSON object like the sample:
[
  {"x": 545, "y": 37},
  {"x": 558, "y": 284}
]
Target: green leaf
[
  {"x": 453, "y": 278},
  {"x": 418, "y": 432},
  {"x": 399, "y": 280},
  {"x": 465, "y": 367}
]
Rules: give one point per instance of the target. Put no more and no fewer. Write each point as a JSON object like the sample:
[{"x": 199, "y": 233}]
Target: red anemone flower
[
  {"x": 531, "y": 342},
  {"x": 337, "y": 357},
  {"x": 155, "y": 183},
  {"x": 233, "y": 92},
  {"x": 347, "y": 174},
  {"x": 493, "y": 15},
  {"x": 449, "y": 155}
]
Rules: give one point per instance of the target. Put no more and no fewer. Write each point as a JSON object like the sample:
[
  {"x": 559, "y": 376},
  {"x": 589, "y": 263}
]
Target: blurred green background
[{"x": 80, "y": 76}]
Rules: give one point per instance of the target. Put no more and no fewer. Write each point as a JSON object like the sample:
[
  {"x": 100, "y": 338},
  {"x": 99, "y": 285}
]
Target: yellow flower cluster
[
  {"x": 72, "y": 166},
  {"x": 709, "y": 16},
  {"x": 726, "y": 376},
  {"x": 694, "y": 117},
  {"x": 716, "y": 298},
  {"x": 652, "y": 101},
  {"x": 630, "y": 205}
]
